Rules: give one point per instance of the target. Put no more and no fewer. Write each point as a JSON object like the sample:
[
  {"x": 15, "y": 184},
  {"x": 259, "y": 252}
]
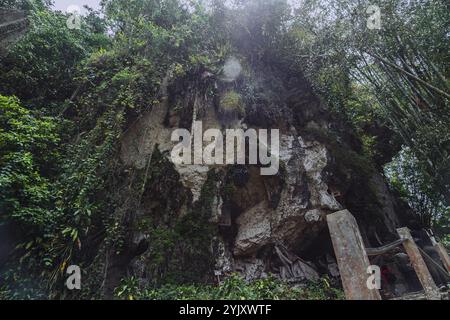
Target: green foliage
[
  {"x": 416, "y": 187},
  {"x": 232, "y": 101},
  {"x": 233, "y": 287},
  {"x": 29, "y": 161},
  {"x": 83, "y": 195},
  {"x": 17, "y": 285},
  {"x": 180, "y": 246},
  {"x": 26, "y": 5},
  {"x": 28, "y": 152},
  {"x": 39, "y": 68}
]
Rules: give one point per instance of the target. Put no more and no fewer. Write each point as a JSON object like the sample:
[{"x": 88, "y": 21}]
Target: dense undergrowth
[{"x": 232, "y": 288}]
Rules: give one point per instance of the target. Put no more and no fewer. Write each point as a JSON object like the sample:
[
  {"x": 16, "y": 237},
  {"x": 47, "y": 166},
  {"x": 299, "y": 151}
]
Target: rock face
[{"x": 257, "y": 225}]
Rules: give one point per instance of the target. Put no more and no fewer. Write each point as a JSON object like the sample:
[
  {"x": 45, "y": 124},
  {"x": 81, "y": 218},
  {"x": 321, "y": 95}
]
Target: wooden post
[
  {"x": 425, "y": 278},
  {"x": 351, "y": 256},
  {"x": 444, "y": 255}
]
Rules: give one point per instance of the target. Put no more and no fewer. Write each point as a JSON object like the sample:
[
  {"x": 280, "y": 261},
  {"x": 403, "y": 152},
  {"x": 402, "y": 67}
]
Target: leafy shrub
[
  {"x": 28, "y": 152},
  {"x": 232, "y": 288}
]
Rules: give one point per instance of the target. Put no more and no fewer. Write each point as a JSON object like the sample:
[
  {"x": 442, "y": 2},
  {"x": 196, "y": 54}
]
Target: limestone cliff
[{"x": 196, "y": 222}]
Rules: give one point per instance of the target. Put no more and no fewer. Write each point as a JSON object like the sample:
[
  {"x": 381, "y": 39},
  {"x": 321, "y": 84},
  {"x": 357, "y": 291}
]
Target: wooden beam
[
  {"x": 425, "y": 278},
  {"x": 351, "y": 256},
  {"x": 444, "y": 255},
  {"x": 384, "y": 249}
]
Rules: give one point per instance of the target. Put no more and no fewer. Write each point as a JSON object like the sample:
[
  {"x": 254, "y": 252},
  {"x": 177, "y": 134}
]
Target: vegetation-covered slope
[{"x": 73, "y": 102}]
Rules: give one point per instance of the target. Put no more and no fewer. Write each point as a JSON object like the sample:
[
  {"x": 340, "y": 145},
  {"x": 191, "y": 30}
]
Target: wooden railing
[{"x": 353, "y": 261}]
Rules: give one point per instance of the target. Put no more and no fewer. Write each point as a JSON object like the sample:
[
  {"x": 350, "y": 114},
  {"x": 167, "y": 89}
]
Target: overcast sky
[{"x": 64, "y": 4}]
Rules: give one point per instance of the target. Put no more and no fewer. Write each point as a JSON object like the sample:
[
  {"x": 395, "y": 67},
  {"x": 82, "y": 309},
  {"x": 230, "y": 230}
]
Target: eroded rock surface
[{"x": 252, "y": 216}]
